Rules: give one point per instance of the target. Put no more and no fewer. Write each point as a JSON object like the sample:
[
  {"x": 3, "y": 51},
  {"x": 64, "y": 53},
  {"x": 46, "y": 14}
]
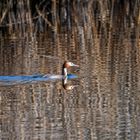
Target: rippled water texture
[{"x": 104, "y": 39}]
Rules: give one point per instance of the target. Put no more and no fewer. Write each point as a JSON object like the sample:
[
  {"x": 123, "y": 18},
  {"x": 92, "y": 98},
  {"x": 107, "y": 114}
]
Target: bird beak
[
  {"x": 75, "y": 65},
  {"x": 75, "y": 86}
]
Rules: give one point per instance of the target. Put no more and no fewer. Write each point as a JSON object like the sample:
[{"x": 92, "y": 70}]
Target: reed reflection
[{"x": 100, "y": 36}]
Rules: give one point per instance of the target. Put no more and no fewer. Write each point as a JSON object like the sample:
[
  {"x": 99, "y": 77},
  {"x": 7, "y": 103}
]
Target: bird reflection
[{"x": 69, "y": 87}]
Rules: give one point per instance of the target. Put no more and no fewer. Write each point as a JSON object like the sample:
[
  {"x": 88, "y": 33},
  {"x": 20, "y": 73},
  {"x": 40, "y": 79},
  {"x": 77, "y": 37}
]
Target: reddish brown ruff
[{"x": 66, "y": 64}]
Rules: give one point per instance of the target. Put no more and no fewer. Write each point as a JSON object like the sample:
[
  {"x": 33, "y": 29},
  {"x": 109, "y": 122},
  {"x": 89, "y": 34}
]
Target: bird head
[{"x": 69, "y": 64}]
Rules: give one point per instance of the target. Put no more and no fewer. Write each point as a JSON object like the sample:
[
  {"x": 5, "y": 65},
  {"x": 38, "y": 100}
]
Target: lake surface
[{"x": 105, "y": 105}]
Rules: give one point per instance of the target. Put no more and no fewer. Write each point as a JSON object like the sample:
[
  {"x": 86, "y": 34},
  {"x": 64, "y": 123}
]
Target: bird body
[{"x": 67, "y": 65}]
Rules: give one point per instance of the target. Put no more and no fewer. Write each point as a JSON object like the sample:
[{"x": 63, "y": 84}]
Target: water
[
  {"x": 105, "y": 105},
  {"x": 27, "y": 79}
]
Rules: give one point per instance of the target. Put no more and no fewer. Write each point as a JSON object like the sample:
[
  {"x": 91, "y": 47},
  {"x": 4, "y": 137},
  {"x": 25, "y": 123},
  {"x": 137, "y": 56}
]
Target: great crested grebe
[{"x": 66, "y": 65}]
